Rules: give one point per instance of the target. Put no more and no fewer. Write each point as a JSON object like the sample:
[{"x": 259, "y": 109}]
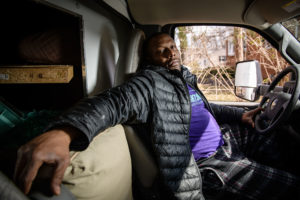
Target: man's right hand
[{"x": 51, "y": 148}]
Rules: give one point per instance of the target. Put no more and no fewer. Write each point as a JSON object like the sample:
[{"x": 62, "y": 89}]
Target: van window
[
  {"x": 293, "y": 25},
  {"x": 211, "y": 52}
]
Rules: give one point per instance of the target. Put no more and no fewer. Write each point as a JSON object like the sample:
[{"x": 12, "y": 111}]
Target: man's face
[{"x": 162, "y": 51}]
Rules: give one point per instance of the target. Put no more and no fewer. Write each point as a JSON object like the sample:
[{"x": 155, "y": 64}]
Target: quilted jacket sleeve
[
  {"x": 129, "y": 102},
  {"x": 227, "y": 114}
]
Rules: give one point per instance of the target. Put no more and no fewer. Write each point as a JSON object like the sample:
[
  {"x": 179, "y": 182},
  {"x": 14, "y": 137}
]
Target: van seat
[
  {"x": 142, "y": 161},
  {"x": 133, "y": 54}
]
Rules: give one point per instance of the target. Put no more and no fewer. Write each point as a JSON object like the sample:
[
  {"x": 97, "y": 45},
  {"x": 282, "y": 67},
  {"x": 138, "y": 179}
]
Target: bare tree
[{"x": 203, "y": 46}]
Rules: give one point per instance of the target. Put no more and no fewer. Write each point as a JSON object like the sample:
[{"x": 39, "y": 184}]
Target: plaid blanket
[{"x": 241, "y": 168}]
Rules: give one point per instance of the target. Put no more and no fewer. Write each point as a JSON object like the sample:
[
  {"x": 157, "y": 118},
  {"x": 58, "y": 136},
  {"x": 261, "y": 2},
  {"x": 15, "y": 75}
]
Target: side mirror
[{"x": 248, "y": 78}]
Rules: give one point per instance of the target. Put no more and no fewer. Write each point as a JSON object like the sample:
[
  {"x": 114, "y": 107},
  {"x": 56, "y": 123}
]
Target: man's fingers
[
  {"x": 49, "y": 148},
  {"x": 253, "y": 112},
  {"x": 251, "y": 115},
  {"x": 256, "y": 110},
  {"x": 19, "y": 166},
  {"x": 58, "y": 176},
  {"x": 29, "y": 173}
]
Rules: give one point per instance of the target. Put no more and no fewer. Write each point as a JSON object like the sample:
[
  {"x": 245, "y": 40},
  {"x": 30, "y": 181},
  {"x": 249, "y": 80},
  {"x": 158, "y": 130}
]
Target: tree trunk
[{"x": 240, "y": 45}]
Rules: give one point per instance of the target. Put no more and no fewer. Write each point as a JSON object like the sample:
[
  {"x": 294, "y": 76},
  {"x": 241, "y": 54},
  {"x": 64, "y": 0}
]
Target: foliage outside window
[
  {"x": 293, "y": 25},
  {"x": 211, "y": 52}
]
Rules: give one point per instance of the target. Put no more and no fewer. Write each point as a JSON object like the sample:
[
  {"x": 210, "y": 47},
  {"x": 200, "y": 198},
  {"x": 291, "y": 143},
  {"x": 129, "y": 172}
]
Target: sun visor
[{"x": 261, "y": 12}]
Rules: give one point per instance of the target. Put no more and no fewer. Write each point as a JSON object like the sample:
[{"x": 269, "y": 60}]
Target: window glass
[
  {"x": 293, "y": 25},
  {"x": 211, "y": 53}
]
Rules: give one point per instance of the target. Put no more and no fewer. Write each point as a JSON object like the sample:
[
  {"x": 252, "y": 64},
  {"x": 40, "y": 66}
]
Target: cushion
[{"x": 103, "y": 171}]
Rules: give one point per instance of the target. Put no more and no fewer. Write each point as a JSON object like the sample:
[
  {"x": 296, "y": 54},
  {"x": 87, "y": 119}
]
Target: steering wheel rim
[{"x": 280, "y": 105}]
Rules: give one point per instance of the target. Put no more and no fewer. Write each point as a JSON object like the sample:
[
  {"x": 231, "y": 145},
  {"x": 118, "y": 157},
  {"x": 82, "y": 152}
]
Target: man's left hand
[{"x": 247, "y": 117}]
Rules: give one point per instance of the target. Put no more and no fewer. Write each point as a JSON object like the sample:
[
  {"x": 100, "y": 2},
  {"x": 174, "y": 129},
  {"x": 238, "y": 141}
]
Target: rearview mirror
[{"x": 247, "y": 80}]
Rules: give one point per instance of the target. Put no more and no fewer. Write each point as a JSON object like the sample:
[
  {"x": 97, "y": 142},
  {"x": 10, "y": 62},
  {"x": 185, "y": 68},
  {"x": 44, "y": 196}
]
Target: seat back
[
  {"x": 131, "y": 64},
  {"x": 142, "y": 161}
]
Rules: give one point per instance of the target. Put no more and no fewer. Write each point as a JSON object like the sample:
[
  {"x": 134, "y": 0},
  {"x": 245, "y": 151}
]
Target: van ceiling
[{"x": 252, "y": 12}]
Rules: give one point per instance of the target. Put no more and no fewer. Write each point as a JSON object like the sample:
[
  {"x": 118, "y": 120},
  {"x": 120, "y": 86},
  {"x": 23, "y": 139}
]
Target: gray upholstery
[
  {"x": 133, "y": 54},
  {"x": 8, "y": 190},
  {"x": 142, "y": 161},
  {"x": 65, "y": 194}
]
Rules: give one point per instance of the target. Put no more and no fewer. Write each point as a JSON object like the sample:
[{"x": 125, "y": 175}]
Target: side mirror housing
[{"x": 248, "y": 78}]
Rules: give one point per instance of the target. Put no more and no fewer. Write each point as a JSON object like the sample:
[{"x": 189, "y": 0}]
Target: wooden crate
[{"x": 36, "y": 74}]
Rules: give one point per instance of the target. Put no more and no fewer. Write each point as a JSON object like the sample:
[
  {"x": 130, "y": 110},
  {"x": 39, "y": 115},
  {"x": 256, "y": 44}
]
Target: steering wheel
[{"x": 278, "y": 106}]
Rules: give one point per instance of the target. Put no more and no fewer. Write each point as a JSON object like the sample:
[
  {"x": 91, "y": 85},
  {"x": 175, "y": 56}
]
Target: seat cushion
[{"x": 103, "y": 171}]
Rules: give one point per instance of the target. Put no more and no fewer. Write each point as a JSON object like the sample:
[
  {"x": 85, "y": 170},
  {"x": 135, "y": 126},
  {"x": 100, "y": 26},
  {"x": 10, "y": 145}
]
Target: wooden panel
[{"x": 36, "y": 74}]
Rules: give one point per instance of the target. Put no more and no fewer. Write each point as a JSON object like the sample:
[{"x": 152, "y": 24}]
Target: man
[{"x": 184, "y": 129}]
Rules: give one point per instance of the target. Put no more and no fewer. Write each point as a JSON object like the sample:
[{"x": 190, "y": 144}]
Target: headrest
[{"x": 134, "y": 51}]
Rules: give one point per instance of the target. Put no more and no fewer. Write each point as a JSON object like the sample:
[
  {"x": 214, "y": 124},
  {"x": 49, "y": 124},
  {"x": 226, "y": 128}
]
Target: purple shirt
[{"x": 205, "y": 135}]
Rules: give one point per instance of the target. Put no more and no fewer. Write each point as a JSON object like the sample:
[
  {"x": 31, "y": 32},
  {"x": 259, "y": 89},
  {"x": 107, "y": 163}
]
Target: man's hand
[
  {"x": 247, "y": 117},
  {"x": 51, "y": 148}
]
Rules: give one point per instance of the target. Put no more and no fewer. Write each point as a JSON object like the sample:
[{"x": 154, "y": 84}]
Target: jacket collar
[
  {"x": 188, "y": 76},
  {"x": 184, "y": 72}
]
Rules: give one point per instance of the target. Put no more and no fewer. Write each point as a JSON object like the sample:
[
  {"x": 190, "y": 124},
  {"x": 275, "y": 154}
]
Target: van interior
[{"x": 56, "y": 52}]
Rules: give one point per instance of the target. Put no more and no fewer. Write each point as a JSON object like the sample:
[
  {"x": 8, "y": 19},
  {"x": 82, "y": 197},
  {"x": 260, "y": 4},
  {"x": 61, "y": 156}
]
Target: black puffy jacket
[{"x": 159, "y": 97}]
